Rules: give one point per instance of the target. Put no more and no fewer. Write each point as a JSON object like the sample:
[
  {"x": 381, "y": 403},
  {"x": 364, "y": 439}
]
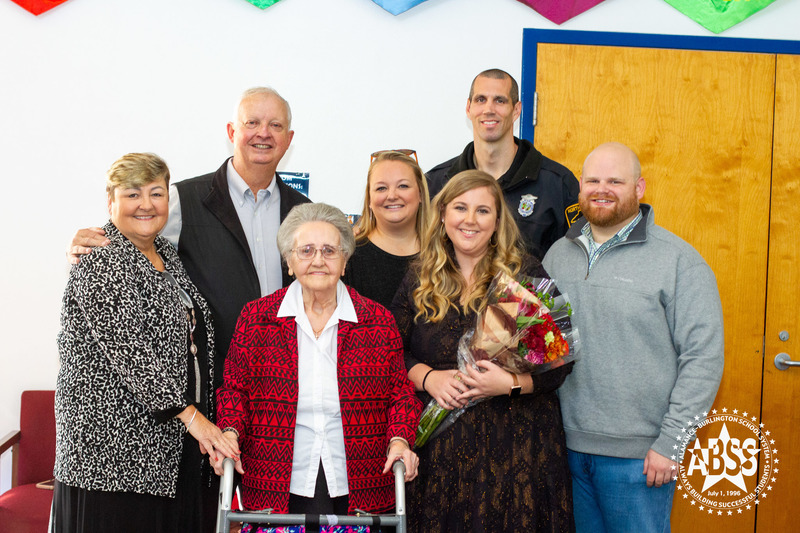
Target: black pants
[{"x": 321, "y": 503}]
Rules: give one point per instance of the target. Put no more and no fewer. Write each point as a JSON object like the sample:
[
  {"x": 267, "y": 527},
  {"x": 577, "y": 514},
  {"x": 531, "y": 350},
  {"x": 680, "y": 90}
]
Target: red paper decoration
[{"x": 37, "y": 7}]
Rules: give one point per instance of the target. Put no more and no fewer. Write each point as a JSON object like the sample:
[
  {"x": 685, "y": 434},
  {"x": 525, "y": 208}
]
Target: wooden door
[
  {"x": 702, "y": 125},
  {"x": 781, "y": 398}
]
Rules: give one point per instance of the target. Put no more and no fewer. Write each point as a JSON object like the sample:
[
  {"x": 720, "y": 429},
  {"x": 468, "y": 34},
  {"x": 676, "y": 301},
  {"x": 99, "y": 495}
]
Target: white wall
[{"x": 93, "y": 79}]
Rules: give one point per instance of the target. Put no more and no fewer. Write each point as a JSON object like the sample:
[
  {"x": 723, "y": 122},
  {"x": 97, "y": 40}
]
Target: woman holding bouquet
[{"x": 502, "y": 466}]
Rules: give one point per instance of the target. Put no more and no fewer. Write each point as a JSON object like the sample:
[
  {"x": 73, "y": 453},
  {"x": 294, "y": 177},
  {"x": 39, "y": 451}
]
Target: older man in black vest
[{"x": 224, "y": 223}]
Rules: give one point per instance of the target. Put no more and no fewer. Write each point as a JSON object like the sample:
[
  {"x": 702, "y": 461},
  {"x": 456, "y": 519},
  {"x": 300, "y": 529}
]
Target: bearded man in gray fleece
[{"x": 650, "y": 319}]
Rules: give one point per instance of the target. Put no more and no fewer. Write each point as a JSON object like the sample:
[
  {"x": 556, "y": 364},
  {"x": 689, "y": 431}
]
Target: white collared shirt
[
  {"x": 319, "y": 434},
  {"x": 260, "y": 216}
]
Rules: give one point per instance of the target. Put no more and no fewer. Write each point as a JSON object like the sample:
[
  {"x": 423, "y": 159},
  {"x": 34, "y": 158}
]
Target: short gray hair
[
  {"x": 136, "y": 170},
  {"x": 254, "y": 91},
  {"x": 304, "y": 213}
]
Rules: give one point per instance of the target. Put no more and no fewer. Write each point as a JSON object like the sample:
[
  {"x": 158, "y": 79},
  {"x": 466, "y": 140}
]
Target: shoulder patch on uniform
[{"x": 572, "y": 213}]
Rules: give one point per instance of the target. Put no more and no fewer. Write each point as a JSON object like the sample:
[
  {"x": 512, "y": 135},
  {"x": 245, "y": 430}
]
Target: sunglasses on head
[{"x": 405, "y": 151}]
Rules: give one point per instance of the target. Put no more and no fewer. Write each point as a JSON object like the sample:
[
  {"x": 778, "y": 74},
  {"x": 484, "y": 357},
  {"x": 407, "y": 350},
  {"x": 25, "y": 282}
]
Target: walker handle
[{"x": 399, "y": 469}]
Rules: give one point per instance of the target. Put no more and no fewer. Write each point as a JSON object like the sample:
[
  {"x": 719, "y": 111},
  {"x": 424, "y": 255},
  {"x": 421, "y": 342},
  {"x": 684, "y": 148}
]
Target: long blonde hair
[
  {"x": 367, "y": 223},
  {"x": 441, "y": 284}
]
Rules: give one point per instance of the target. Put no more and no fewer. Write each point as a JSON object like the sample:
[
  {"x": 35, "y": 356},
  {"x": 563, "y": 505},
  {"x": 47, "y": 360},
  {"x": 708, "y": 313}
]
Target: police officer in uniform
[{"x": 542, "y": 194}]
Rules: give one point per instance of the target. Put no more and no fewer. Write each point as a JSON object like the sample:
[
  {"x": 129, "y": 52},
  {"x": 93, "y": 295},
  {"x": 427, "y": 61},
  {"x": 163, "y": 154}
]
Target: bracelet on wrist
[
  {"x": 428, "y": 373},
  {"x": 191, "y": 420},
  {"x": 232, "y": 430},
  {"x": 393, "y": 440}
]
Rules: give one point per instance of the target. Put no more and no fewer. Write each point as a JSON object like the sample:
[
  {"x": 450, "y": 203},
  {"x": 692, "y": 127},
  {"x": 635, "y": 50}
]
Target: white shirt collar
[
  {"x": 239, "y": 189},
  {"x": 292, "y": 304}
]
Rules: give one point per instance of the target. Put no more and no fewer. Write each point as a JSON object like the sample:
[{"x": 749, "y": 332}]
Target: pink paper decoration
[
  {"x": 37, "y": 7},
  {"x": 560, "y": 11}
]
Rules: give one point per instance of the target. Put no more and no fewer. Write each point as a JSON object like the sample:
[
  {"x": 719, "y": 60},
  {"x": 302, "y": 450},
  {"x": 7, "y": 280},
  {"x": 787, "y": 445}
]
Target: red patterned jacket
[{"x": 259, "y": 399}]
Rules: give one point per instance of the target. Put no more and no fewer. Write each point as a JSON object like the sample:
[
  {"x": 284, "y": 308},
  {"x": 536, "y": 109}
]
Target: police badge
[{"x": 526, "y": 203}]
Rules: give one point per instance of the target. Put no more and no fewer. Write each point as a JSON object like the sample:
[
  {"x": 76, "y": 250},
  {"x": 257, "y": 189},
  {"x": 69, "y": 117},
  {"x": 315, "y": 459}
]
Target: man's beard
[{"x": 623, "y": 210}]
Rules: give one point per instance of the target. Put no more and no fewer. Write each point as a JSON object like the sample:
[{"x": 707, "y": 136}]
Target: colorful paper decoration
[
  {"x": 718, "y": 15},
  {"x": 37, "y": 7},
  {"x": 560, "y": 11},
  {"x": 395, "y": 7},
  {"x": 263, "y": 4}
]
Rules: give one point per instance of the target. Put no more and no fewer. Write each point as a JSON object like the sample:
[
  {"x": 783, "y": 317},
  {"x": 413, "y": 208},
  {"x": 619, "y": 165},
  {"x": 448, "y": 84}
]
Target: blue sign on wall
[{"x": 296, "y": 180}]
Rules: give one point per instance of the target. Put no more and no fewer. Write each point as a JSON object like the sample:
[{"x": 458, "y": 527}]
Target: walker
[{"x": 225, "y": 515}]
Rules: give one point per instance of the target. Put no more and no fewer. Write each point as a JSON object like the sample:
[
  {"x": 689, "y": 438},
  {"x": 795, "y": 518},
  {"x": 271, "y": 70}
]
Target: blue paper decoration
[{"x": 395, "y": 7}]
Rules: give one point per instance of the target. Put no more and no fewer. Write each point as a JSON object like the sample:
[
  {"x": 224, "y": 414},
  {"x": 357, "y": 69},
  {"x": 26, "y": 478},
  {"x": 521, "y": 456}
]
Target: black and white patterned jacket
[{"x": 123, "y": 349}]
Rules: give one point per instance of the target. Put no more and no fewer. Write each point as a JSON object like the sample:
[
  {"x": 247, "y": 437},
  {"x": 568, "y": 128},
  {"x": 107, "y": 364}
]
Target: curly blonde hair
[
  {"x": 441, "y": 284},
  {"x": 366, "y": 223}
]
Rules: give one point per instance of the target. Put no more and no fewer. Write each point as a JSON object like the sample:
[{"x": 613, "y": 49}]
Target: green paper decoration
[
  {"x": 718, "y": 15},
  {"x": 263, "y": 4}
]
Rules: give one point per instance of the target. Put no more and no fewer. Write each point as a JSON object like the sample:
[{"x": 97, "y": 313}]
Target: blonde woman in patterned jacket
[{"x": 136, "y": 345}]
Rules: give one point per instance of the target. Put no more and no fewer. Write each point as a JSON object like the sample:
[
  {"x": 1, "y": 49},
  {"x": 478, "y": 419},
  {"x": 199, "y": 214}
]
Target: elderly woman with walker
[{"x": 315, "y": 389}]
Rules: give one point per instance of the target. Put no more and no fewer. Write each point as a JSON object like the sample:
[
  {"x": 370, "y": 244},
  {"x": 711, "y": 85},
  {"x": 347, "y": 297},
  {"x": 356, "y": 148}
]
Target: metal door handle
[{"x": 783, "y": 361}]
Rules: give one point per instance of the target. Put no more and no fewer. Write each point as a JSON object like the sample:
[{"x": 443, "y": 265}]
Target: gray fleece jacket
[{"x": 650, "y": 324}]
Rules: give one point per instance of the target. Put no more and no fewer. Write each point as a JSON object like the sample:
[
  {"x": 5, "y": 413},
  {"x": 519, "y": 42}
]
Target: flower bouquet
[{"x": 525, "y": 328}]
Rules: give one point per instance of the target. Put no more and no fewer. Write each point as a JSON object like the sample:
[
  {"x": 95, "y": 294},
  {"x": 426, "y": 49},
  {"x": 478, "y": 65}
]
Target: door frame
[{"x": 531, "y": 37}]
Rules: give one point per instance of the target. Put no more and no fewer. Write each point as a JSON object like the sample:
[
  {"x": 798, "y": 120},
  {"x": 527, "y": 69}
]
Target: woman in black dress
[
  {"x": 503, "y": 465},
  {"x": 395, "y": 211},
  {"x": 136, "y": 346}
]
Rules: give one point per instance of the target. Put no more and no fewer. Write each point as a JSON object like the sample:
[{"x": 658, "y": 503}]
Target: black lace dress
[{"x": 503, "y": 465}]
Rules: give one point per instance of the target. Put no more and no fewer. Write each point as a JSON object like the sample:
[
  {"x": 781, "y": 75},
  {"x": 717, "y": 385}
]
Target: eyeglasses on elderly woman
[{"x": 309, "y": 251}]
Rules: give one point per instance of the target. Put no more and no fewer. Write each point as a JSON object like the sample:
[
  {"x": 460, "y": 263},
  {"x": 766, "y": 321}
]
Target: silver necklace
[{"x": 186, "y": 300}]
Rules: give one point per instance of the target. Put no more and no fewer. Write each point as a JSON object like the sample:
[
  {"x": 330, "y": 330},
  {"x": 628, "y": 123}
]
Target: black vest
[{"x": 215, "y": 253}]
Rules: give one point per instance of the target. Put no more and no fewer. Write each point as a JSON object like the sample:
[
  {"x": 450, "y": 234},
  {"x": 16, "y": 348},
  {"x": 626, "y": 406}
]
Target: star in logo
[{"x": 724, "y": 458}]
